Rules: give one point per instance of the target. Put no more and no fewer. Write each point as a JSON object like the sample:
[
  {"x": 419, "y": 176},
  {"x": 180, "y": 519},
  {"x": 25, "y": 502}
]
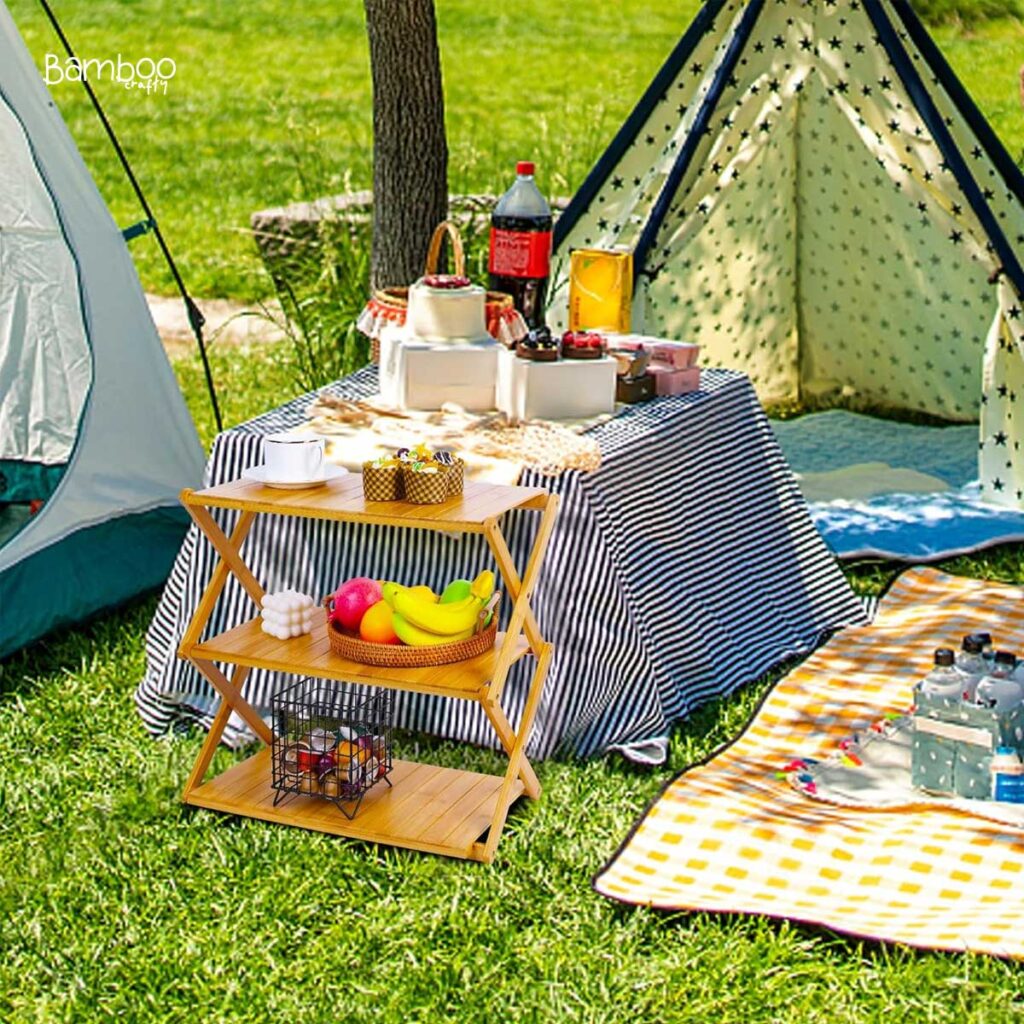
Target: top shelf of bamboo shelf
[{"x": 342, "y": 499}]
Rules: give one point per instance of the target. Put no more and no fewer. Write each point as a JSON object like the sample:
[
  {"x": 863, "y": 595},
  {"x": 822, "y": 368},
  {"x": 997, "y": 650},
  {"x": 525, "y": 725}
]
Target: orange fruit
[{"x": 375, "y": 627}]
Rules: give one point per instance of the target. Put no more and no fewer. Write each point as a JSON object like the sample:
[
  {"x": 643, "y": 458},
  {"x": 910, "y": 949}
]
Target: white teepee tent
[
  {"x": 95, "y": 438},
  {"x": 811, "y": 195}
]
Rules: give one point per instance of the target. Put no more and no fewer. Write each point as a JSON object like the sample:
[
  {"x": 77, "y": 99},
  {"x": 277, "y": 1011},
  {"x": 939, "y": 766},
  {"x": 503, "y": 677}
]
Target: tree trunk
[{"x": 410, "y": 150}]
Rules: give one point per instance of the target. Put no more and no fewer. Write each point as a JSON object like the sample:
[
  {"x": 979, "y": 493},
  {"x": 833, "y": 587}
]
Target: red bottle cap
[{"x": 524, "y": 167}]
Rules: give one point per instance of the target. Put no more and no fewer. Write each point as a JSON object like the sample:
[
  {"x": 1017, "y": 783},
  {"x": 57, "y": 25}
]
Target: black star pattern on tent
[{"x": 845, "y": 203}]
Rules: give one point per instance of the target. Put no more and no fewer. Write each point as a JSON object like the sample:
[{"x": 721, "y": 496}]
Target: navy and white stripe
[{"x": 686, "y": 566}]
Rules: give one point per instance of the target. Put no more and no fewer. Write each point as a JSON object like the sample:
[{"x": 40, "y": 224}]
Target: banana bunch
[{"x": 422, "y": 618}]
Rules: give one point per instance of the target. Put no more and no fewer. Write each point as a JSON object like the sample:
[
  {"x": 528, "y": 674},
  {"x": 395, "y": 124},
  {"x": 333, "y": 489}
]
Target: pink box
[
  {"x": 670, "y": 381},
  {"x": 677, "y": 354}
]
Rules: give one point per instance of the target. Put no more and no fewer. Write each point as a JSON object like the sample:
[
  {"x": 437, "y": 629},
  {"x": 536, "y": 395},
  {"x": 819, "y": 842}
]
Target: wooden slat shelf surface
[
  {"x": 343, "y": 500},
  {"x": 311, "y": 655},
  {"x": 438, "y": 810}
]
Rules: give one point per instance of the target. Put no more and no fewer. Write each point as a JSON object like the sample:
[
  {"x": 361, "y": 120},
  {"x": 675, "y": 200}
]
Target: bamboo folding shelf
[{"x": 439, "y": 810}]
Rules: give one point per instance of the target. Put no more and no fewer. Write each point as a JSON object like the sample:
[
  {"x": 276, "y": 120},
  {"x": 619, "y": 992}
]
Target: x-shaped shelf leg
[
  {"x": 517, "y": 755},
  {"x": 507, "y": 735},
  {"x": 230, "y": 690},
  {"x": 522, "y": 619},
  {"x": 513, "y": 584},
  {"x": 233, "y": 544},
  {"x": 232, "y": 695},
  {"x": 227, "y": 549},
  {"x": 209, "y": 747}
]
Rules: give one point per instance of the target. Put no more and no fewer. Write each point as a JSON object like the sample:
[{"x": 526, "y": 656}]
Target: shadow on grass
[
  {"x": 827, "y": 942},
  {"x": 66, "y": 650}
]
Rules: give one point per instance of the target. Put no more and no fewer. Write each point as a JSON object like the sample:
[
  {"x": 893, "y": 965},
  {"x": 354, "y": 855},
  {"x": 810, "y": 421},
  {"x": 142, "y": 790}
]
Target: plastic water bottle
[
  {"x": 1007, "y": 776},
  {"x": 987, "y": 650},
  {"x": 970, "y": 662},
  {"x": 999, "y": 690},
  {"x": 944, "y": 680},
  {"x": 520, "y": 256}
]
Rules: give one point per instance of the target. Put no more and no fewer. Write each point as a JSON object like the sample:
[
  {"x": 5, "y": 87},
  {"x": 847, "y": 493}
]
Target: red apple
[{"x": 352, "y": 599}]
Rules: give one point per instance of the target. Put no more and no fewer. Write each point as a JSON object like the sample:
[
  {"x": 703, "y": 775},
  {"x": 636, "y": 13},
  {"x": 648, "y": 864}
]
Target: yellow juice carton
[{"x": 601, "y": 290}]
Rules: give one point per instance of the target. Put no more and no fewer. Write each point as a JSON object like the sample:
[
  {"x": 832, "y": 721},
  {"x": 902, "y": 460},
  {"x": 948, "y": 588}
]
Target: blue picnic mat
[{"x": 879, "y": 488}]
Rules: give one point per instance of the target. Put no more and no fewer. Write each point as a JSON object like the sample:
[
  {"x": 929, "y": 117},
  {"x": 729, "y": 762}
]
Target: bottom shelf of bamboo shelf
[{"x": 439, "y": 810}]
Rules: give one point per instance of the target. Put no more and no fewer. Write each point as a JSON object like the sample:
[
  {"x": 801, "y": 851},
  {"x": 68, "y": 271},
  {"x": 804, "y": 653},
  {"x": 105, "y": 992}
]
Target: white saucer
[{"x": 258, "y": 475}]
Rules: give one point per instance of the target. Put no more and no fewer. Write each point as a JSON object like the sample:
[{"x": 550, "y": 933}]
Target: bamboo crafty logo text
[{"x": 146, "y": 74}]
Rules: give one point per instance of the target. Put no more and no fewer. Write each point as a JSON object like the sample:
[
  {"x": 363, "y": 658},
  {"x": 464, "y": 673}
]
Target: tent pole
[
  {"x": 798, "y": 312},
  {"x": 649, "y": 234},
  {"x": 195, "y": 317},
  {"x": 916, "y": 89}
]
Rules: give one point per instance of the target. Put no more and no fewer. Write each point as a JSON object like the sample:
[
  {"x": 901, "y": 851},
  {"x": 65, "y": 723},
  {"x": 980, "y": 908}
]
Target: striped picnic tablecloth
[{"x": 684, "y": 567}]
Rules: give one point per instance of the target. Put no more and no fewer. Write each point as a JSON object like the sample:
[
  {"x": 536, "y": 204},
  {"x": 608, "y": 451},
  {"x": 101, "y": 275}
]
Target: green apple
[{"x": 457, "y": 590}]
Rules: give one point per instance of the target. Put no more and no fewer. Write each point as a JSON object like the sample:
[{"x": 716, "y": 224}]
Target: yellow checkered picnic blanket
[{"x": 732, "y": 836}]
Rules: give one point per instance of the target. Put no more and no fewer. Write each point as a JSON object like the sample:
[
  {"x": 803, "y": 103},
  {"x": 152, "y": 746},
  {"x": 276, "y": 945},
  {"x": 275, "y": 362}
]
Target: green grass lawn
[
  {"x": 264, "y": 88},
  {"x": 116, "y": 901}
]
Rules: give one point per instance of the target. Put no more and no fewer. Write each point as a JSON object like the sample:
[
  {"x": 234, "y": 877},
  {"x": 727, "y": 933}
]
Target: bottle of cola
[{"x": 520, "y": 258}]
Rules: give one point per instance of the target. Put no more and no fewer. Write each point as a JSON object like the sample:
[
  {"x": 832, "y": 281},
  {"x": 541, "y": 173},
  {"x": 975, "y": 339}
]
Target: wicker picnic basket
[
  {"x": 350, "y": 646},
  {"x": 389, "y": 305}
]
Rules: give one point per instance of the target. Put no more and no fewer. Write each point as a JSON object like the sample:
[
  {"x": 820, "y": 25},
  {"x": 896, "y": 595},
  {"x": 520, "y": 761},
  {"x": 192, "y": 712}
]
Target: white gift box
[
  {"x": 419, "y": 375},
  {"x": 569, "y": 389}
]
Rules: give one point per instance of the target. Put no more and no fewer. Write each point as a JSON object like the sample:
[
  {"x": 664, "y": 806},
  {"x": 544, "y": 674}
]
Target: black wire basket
[{"x": 332, "y": 741}]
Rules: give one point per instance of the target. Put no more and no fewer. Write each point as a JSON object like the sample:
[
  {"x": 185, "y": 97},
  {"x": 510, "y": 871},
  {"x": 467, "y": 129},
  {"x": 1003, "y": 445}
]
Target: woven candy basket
[
  {"x": 350, "y": 646},
  {"x": 399, "y": 483},
  {"x": 426, "y": 488},
  {"x": 382, "y": 483},
  {"x": 389, "y": 305},
  {"x": 456, "y": 476}
]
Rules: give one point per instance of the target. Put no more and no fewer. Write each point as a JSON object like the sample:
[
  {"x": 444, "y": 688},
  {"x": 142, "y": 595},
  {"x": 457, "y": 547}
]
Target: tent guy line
[{"x": 195, "y": 317}]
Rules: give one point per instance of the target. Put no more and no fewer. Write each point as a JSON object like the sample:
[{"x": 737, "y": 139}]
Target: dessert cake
[
  {"x": 447, "y": 309},
  {"x": 539, "y": 345},
  {"x": 582, "y": 345}
]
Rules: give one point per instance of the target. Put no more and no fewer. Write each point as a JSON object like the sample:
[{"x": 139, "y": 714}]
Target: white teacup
[{"x": 293, "y": 458}]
